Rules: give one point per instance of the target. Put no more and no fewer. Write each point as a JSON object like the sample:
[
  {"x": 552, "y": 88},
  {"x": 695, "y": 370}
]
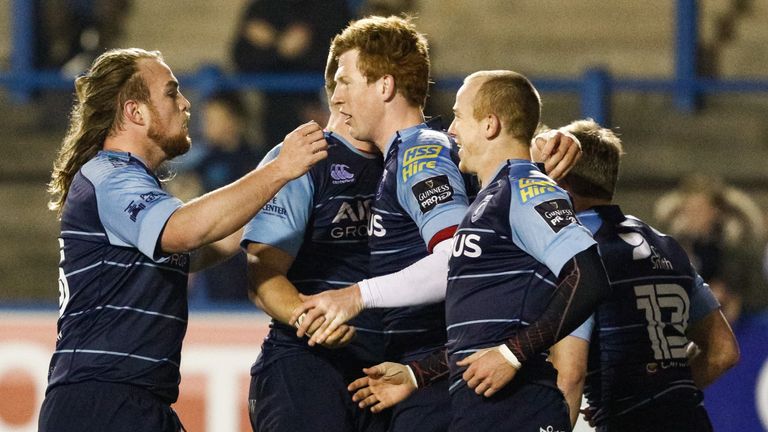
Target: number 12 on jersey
[{"x": 665, "y": 305}]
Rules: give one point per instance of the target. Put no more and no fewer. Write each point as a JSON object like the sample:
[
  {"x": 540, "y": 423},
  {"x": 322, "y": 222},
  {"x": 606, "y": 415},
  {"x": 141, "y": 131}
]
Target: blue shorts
[
  {"x": 98, "y": 406},
  {"x": 305, "y": 392},
  {"x": 519, "y": 406},
  {"x": 427, "y": 410},
  {"x": 663, "y": 417}
]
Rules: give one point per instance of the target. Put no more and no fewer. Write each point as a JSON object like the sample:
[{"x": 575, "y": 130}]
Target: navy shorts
[
  {"x": 97, "y": 406},
  {"x": 518, "y": 406},
  {"x": 665, "y": 417},
  {"x": 426, "y": 410},
  {"x": 305, "y": 392}
]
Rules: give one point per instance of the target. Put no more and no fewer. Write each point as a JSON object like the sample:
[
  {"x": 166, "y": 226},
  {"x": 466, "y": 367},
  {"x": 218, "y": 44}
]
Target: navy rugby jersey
[
  {"x": 123, "y": 305},
  {"x": 321, "y": 219},
  {"x": 420, "y": 195},
  {"x": 638, "y": 347},
  {"x": 507, "y": 255}
]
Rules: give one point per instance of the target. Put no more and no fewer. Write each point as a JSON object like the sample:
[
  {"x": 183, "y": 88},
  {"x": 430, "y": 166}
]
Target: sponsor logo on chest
[
  {"x": 351, "y": 220},
  {"x": 467, "y": 245}
]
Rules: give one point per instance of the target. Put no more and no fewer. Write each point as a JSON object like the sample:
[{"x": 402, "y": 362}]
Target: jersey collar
[
  {"x": 510, "y": 163},
  {"x": 351, "y": 147},
  {"x": 127, "y": 157},
  {"x": 404, "y": 134}
]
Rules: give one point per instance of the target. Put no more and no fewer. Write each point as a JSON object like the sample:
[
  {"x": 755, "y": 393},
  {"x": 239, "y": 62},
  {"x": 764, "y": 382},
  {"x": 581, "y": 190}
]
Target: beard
[{"x": 172, "y": 145}]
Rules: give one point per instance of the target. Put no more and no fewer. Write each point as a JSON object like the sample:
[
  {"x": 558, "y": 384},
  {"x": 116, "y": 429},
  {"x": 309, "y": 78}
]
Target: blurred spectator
[
  {"x": 723, "y": 231},
  {"x": 384, "y": 7},
  {"x": 288, "y": 36},
  {"x": 71, "y": 33},
  {"x": 227, "y": 156}
]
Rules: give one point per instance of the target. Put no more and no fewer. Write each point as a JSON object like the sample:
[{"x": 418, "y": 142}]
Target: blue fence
[{"x": 595, "y": 86}]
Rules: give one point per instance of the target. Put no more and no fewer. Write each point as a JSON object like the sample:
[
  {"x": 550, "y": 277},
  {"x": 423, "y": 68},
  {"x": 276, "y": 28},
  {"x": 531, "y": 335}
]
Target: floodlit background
[{"x": 684, "y": 82}]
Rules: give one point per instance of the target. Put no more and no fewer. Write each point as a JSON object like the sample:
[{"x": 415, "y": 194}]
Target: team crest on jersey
[
  {"x": 557, "y": 213},
  {"x": 533, "y": 187},
  {"x": 419, "y": 158},
  {"x": 481, "y": 208},
  {"x": 133, "y": 209},
  {"x": 432, "y": 191},
  {"x": 340, "y": 174}
]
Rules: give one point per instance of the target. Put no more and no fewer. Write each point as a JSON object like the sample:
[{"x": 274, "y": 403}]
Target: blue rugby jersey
[
  {"x": 321, "y": 219},
  {"x": 123, "y": 305},
  {"x": 507, "y": 255},
  {"x": 637, "y": 351},
  {"x": 420, "y": 195}
]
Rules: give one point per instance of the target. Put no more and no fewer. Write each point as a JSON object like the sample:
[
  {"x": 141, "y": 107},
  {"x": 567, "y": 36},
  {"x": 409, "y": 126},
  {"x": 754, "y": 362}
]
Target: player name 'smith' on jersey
[
  {"x": 507, "y": 255},
  {"x": 420, "y": 198},
  {"x": 123, "y": 304},
  {"x": 321, "y": 219},
  {"x": 638, "y": 347}
]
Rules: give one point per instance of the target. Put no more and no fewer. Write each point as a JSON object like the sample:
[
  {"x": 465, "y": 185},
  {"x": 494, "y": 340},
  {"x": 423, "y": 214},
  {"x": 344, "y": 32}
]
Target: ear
[
  {"x": 491, "y": 126},
  {"x": 136, "y": 113},
  {"x": 387, "y": 87}
]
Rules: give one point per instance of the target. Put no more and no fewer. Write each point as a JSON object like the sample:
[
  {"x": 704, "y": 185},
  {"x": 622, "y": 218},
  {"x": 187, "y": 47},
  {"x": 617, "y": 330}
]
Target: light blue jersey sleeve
[
  {"x": 584, "y": 331},
  {"x": 703, "y": 301},
  {"x": 429, "y": 185},
  {"x": 543, "y": 221},
  {"x": 283, "y": 220},
  {"x": 132, "y": 207}
]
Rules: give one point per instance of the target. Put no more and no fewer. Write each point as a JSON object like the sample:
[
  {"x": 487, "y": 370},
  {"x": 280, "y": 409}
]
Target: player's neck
[
  {"x": 397, "y": 117},
  {"x": 498, "y": 154},
  {"x": 363, "y": 146},
  {"x": 139, "y": 146}
]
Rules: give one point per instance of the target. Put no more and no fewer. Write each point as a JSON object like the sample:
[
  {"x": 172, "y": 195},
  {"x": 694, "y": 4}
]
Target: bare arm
[
  {"x": 268, "y": 286},
  {"x": 214, "y": 253},
  {"x": 220, "y": 213},
  {"x": 423, "y": 282},
  {"x": 718, "y": 349},
  {"x": 569, "y": 357},
  {"x": 271, "y": 291}
]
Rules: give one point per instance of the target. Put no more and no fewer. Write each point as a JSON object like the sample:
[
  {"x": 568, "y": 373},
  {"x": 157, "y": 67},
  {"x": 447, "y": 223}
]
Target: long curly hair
[{"x": 112, "y": 80}]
